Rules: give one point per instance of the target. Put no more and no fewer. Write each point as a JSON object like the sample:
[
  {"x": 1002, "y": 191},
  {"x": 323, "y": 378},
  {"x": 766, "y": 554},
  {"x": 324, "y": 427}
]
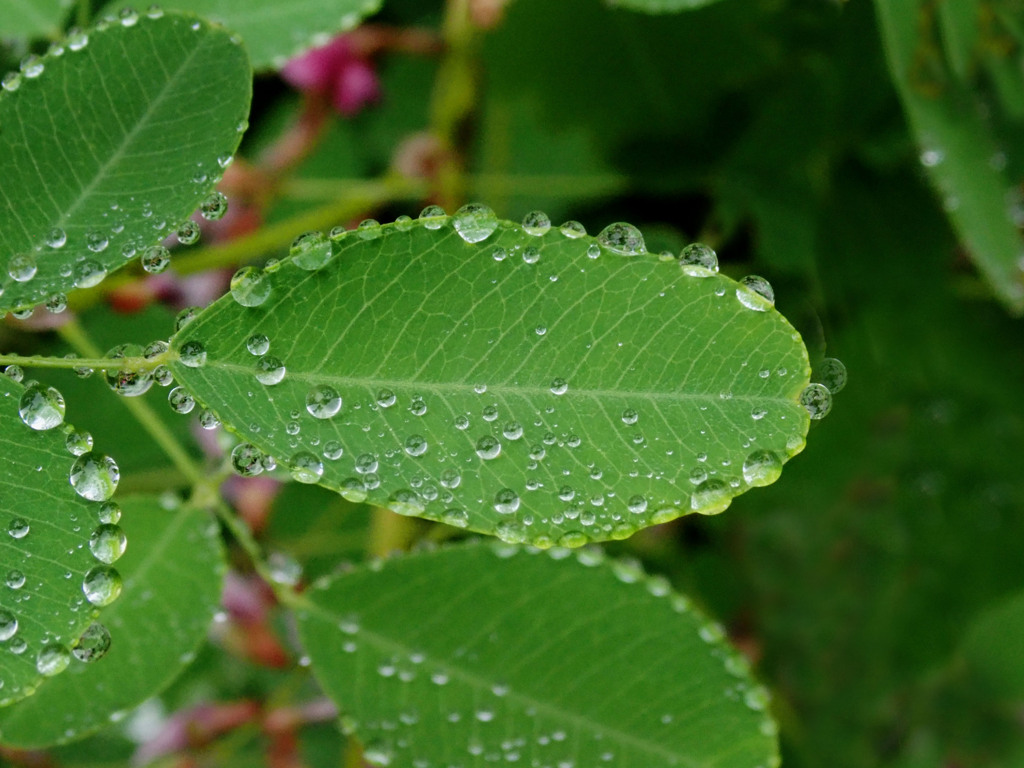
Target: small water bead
[
  {"x": 433, "y": 217},
  {"x": 696, "y": 258},
  {"x": 214, "y": 206},
  {"x": 333, "y": 450},
  {"x": 93, "y": 644},
  {"x": 128, "y": 17},
  {"x": 366, "y": 463},
  {"x": 8, "y": 625},
  {"x": 450, "y": 479},
  {"x": 14, "y": 372},
  {"x": 52, "y": 659},
  {"x": 531, "y": 255},
  {"x": 403, "y": 223},
  {"x": 489, "y": 413},
  {"x": 761, "y": 468},
  {"x": 11, "y": 82},
  {"x": 461, "y": 422},
  {"x": 102, "y": 585},
  {"x": 89, "y": 273},
  {"x": 163, "y": 376},
  {"x": 457, "y": 518},
  {"x": 94, "y": 476},
  {"x": 386, "y": 398},
  {"x": 755, "y": 293},
  {"x": 832, "y": 374},
  {"x": 78, "y": 442},
  {"x": 107, "y": 543},
  {"x": 536, "y": 223},
  {"x": 559, "y": 387},
  {"x": 56, "y": 238},
  {"x": 250, "y": 287},
  {"x": 41, "y": 408},
  {"x": 18, "y": 528},
  {"x": 817, "y": 399},
  {"x": 180, "y": 400},
  {"x": 512, "y": 430},
  {"x": 183, "y": 318},
  {"x": 247, "y": 460},
  {"x": 57, "y": 303},
  {"x": 623, "y": 239},
  {"x": 22, "y": 314},
  {"x": 323, "y": 402},
  {"x": 369, "y": 229},
  {"x": 155, "y": 259},
  {"x": 573, "y": 230},
  {"x": 630, "y": 417},
  {"x": 22, "y": 268},
  {"x": 110, "y": 512},
  {"x": 305, "y": 467},
  {"x": 511, "y": 532},
  {"x": 192, "y": 354},
  {"x": 418, "y": 406},
  {"x": 32, "y": 66},
  {"x": 188, "y": 232},
  {"x": 270, "y": 370},
  {"x": 474, "y": 222},
  {"x": 711, "y": 497},
  {"x": 415, "y": 445},
  {"x": 14, "y": 579},
  {"x": 311, "y": 251},
  {"x": 77, "y": 39},
  {"x": 506, "y": 501},
  {"x": 488, "y": 448},
  {"x": 637, "y": 505},
  {"x": 257, "y": 344}
]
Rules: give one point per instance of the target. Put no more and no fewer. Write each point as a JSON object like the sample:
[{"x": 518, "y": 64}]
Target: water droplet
[
  {"x": 511, "y": 532},
  {"x": 403, "y": 223},
  {"x": 78, "y": 442},
  {"x": 366, "y": 463},
  {"x": 817, "y": 399},
  {"x": 89, "y": 273},
  {"x": 931, "y": 157},
  {"x": 189, "y": 232},
  {"x": 386, "y": 398},
  {"x": 755, "y": 293},
  {"x": 698, "y": 259},
  {"x": 8, "y": 625},
  {"x": 14, "y": 372},
  {"x": 250, "y": 287},
  {"x": 77, "y": 39},
  {"x": 418, "y": 406},
  {"x": 488, "y": 448},
  {"x": 506, "y": 501},
  {"x": 623, "y": 239},
  {"x": 14, "y": 579},
  {"x": 461, "y": 422},
  {"x": 18, "y": 528},
  {"x": 474, "y": 222},
  {"x": 323, "y": 402},
  {"x": 433, "y": 217},
  {"x": 572, "y": 539},
  {"x": 57, "y": 303},
  {"x": 630, "y": 417},
  {"x": 305, "y": 467},
  {"x": 162, "y": 375},
  {"x": 257, "y": 344},
  {"x": 247, "y": 460},
  {"x": 93, "y": 644},
  {"x": 457, "y": 518},
  {"x": 333, "y": 450},
  {"x": 311, "y": 251},
  {"x": 94, "y": 476},
  {"x": 536, "y": 223},
  {"x": 107, "y": 543},
  {"x": 832, "y": 374},
  {"x": 637, "y": 505},
  {"x": 512, "y": 430},
  {"x": 52, "y": 659},
  {"x": 761, "y": 468},
  {"x": 573, "y": 230},
  {"x": 711, "y": 497},
  {"x": 22, "y": 268},
  {"x": 110, "y": 512},
  {"x": 450, "y": 479},
  {"x": 416, "y": 445},
  {"x": 559, "y": 387},
  {"x": 155, "y": 259},
  {"x": 192, "y": 354},
  {"x": 180, "y": 400},
  {"x": 368, "y": 229},
  {"x": 41, "y": 408},
  {"x": 56, "y": 238},
  {"x": 32, "y": 66},
  {"x": 269, "y": 370},
  {"x": 489, "y": 413},
  {"x": 11, "y": 82},
  {"x": 102, "y": 585},
  {"x": 128, "y": 17},
  {"x": 214, "y": 206}
]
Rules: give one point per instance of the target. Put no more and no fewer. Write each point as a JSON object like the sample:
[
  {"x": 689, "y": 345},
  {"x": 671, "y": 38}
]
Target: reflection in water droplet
[
  {"x": 250, "y": 287},
  {"x": 257, "y": 344},
  {"x": 817, "y": 399},
  {"x": 761, "y": 468},
  {"x": 623, "y": 239},
  {"x": 41, "y": 408},
  {"x": 305, "y": 467},
  {"x": 832, "y": 374},
  {"x": 488, "y": 448},
  {"x": 698, "y": 259},
  {"x": 107, "y": 543},
  {"x": 573, "y": 230},
  {"x": 269, "y": 370},
  {"x": 711, "y": 497},
  {"x": 8, "y": 625},
  {"x": 323, "y": 402},
  {"x": 433, "y": 217},
  {"x": 93, "y": 644},
  {"x": 94, "y": 476},
  {"x": 214, "y": 206},
  {"x": 311, "y": 251},
  {"x": 247, "y": 460},
  {"x": 755, "y": 293},
  {"x": 52, "y": 659},
  {"x": 536, "y": 223},
  {"x": 102, "y": 585},
  {"x": 474, "y": 222},
  {"x": 22, "y": 268}
]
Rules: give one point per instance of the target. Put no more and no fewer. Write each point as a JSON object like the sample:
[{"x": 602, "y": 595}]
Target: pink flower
[{"x": 337, "y": 71}]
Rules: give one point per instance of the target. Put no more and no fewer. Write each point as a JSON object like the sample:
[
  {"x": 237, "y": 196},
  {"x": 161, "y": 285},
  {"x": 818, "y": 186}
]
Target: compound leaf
[
  {"x": 479, "y": 654},
  {"x": 109, "y": 143},
  {"x": 275, "y": 31},
  {"x": 45, "y": 529},
  {"x": 172, "y": 578},
  {"x": 540, "y": 387}
]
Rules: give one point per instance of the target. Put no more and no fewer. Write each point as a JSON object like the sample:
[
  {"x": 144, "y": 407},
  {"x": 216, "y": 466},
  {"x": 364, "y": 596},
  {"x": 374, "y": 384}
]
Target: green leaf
[
  {"x": 173, "y": 570},
  {"x": 37, "y": 18},
  {"x": 45, "y": 527},
  {"x": 958, "y": 148},
  {"x": 660, "y": 6},
  {"x": 275, "y": 30},
  {"x": 540, "y": 387},
  {"x": 992, "y": 647},
  {"x": 478, "y": 652},
  {"x": 111, "y": 147}
]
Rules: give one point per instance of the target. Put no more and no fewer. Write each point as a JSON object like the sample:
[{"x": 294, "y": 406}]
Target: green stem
[
  {"x": 82, "y": 13},
  {"x": 96, "y": 363},
  {"x": 144, "y": 414}
]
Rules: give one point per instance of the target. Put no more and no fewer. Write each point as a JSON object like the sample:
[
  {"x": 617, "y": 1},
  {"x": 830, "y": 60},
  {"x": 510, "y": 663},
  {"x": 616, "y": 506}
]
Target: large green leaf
[
  {"x": 958, "y": 147},
  {"x": 540, "y": 387},
  {"x": 172, "y": 577},
  {"x": 45, "y": 529},
  {"x": 276, "y": 30},
  {"x": 486, "y": 653},
  {"x": 111, "y": 146},
  {"x": 31, "y": 18}
]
